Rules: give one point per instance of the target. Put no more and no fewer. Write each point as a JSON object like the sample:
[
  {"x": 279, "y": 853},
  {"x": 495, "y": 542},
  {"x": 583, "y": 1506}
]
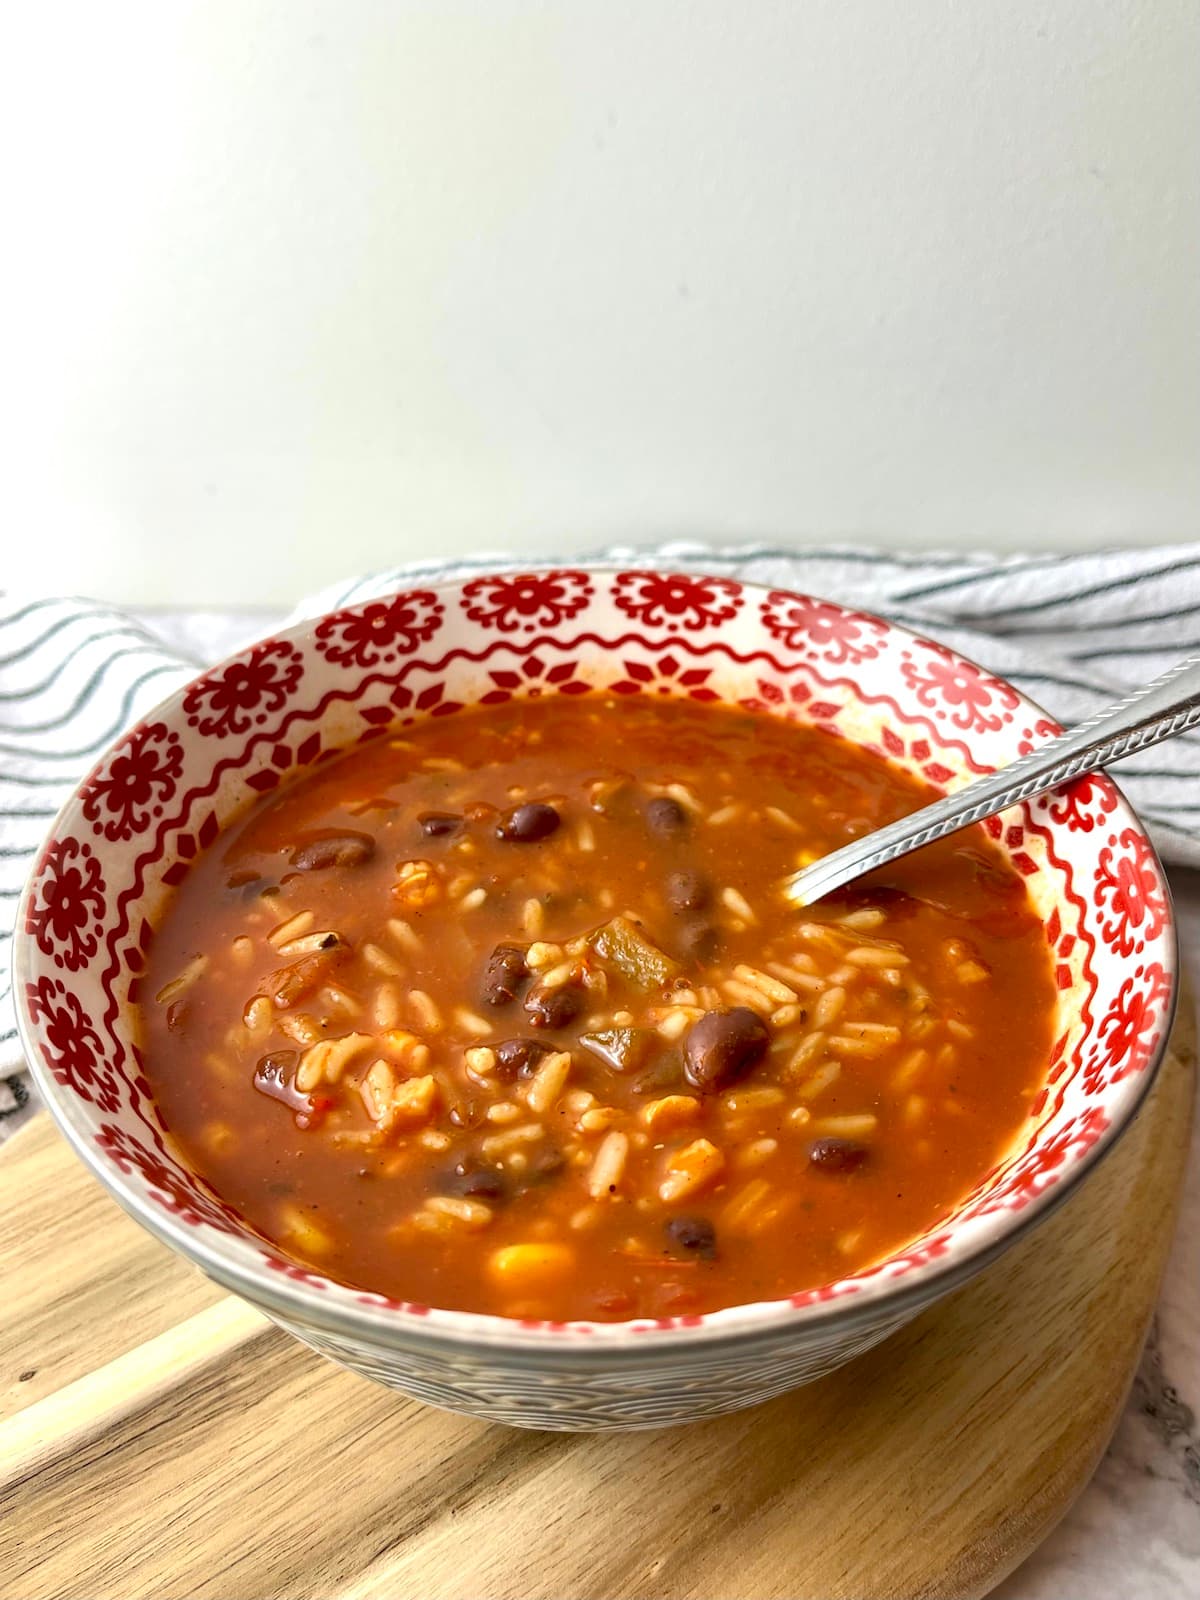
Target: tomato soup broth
[{"x": 508, "y": 1013}]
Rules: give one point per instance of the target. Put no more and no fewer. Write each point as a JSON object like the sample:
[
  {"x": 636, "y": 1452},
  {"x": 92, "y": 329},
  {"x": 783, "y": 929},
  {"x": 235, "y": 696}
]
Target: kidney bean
[
  {"x": 437, "y": 824},
  {"x": 614, "y": 1302},
  {"x": 273, "y": 1077},
  {"x": 518, "y": 1058},
  {"x": 177, "y": 1015},
  {"x": 504, "y": 974},
  {"x": 696, "y": 1234},
  {"x": 465, "y": 1114},
  {"x": 553, "y": 1008},
  {"x": 473, "y": 1179},
  {"x": 333, "y": 850},
  {"x": 687, "y": 890},
  {"x": 286, "y": 986},
  {"x": 723, "y": 1047},
  {"x": 666, "y": 817},
  {"x": 528, "y": 823},
  {"x": 837, "y": 1155}
]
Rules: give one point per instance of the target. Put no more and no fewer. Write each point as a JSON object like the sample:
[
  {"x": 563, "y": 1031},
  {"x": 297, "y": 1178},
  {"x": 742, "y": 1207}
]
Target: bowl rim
[{"x": 745, "y": 1322}]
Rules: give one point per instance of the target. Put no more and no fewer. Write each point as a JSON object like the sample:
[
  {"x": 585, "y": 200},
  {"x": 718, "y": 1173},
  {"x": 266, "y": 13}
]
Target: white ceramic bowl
[{"x": 167, "y": 789}]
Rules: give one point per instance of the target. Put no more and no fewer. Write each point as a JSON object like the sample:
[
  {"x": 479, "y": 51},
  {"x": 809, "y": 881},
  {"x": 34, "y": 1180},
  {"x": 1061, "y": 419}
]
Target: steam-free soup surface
[{"x": 508, "y": 1013}]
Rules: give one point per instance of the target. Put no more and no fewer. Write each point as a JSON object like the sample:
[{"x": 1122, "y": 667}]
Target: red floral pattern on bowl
[
  {"x": 65, "y": 908},
  {"x": 526, "y": 600},
  {"x": 130, "y": 789},
  {"x": 164, "y": 791},
  {"x": 820, "y": 630},
  {"x": 677, "y": 599},
  {"x": 381, "y": 631},
  {"x": 245, "y": 692}
]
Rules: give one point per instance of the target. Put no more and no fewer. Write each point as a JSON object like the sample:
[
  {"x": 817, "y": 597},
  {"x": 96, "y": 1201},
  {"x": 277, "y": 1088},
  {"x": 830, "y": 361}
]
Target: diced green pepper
[
  {"x": 621, "y": 1048},
  {"x": 619, "y": 945}
]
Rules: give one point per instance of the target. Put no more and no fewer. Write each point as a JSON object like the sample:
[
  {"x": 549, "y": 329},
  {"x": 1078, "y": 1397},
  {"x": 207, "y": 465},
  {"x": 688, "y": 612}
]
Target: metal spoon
[{"x": 1165, "y": 707}]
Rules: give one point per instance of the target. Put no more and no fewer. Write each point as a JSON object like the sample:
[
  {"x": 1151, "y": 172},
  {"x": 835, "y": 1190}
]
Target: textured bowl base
[
  {"x": 662, "y": 1395},
  {"x": 176, "y": 1443}
]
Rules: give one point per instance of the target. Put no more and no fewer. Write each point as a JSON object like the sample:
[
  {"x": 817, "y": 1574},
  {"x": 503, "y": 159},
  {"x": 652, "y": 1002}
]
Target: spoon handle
[{"x": 1165, "y": 707}]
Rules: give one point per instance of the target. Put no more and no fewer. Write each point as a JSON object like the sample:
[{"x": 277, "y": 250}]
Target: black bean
[
  {"x": 699, "y": 941},
  {"x": 547, "y": 1164},
  {"x": 437, "y": 824},
  {"x": 666, "y": 816},
  {"x": 874, "y": 896},
  {"x": 723, "y": 1047},
  {"x": 696, "y": 1234},
  {"x": 837, "y": 1155},
  {"x": 518, "y": 1058},
  {"x": 553, "y": 1008},
  {"x": 333, "y": 850},
  {"x": 504, "y": 974},
  {"x": 528, "y": 823},
  {"x": 687, "y": 891},
  {"x": 475, "y": 1180}
]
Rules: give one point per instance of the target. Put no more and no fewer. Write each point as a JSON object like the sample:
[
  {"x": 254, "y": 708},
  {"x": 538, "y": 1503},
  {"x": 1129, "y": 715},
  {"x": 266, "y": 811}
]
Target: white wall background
[{"x": 297, "y": 286}]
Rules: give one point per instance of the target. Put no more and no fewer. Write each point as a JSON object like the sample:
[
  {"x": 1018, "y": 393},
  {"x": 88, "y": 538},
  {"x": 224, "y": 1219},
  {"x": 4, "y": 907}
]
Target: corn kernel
[{"x": 528, "y": 1268}]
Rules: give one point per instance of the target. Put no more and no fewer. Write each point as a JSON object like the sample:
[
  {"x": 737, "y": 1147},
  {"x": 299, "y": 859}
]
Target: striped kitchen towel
[{"x": 1073, "y": 631}]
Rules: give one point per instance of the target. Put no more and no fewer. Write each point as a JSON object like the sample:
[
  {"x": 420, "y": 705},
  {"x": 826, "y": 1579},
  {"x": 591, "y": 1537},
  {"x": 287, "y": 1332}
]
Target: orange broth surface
[{"x": 508, "y": 1013}]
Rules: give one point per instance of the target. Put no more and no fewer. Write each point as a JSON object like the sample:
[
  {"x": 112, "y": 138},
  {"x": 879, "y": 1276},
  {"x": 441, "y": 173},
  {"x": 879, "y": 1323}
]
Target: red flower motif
[
  {"x": 247, "y": 691},
  {"x": 1131, "y": 1028},
  {"x": 657, "y": 598},
  {"x": 1082, "y": 805},
  {"x": 140, "y": 778},
  {"x": 69, "y": 1044},
  {"x": 1034, "y": 1171},
  {"x": 1042, "y": 730},
  {"x": 383, "y": 631},
  {"x": 176, "y": 1192},
  {"x": 534, "y": 678},
  {"x": 67, "y": 904},
  {"x": 667, "y": 676},
  {"x": 821, "y": 630},
  {"x": 527, "y": 600},
  {"x": 947, "y": 684},
  {"x": 1129, "y": 886}
]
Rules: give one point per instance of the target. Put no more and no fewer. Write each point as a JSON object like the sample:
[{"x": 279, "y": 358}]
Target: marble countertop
[{"x": 1135, "y": 1530}]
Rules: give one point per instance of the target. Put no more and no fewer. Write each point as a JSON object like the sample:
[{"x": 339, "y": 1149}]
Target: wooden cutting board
[{"x": 159, "y": 1439}]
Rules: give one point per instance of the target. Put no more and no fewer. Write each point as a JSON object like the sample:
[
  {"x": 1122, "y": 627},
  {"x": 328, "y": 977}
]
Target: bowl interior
[{"x": 167, "y": 789}]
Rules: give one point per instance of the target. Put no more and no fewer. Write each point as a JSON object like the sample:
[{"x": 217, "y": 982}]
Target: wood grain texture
[{"x": 159, "y": 1439}]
